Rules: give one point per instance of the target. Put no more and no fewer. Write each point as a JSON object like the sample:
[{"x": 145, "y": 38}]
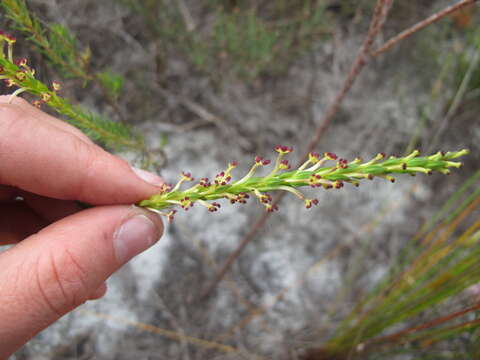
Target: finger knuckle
[
  {"x": 87, "y": 158},
  {"x": 61, "y": 282}
]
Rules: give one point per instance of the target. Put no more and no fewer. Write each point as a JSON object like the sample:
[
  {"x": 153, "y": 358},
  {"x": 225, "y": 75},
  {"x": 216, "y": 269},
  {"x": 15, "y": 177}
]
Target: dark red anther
[
  {"x": 338, "y": 184},
  {"x": 331, "y": 156},
  {"x": 10, "y": 38},
  {"x": 285, "y": 164},
  {"x": 383, "y": 155},
  {"x": 204, "y": 182},
  {"x": 343, "y": 163},
  {"x": 21, "y": 62},
  {"x": 315, "y": 201},
  {"x": 283, "y": 149},
  {"x": 272, "y": 208},
  {"x": 258, "y": 159},
  {"x": 370, "y": 177},
  {"x": 314, "y": 157},
  {"x": 9, "y": 82},
  {"x": 265, "y": 162},
  {"x": 404, "y": 166},
  {"x": 171, "y": 214}
]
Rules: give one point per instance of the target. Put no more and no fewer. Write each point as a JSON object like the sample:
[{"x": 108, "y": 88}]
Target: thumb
[{"x": 64, "y": 265}]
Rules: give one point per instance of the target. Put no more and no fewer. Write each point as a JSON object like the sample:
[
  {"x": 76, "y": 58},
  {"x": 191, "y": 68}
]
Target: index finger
[{"x": 47, "y": 159}]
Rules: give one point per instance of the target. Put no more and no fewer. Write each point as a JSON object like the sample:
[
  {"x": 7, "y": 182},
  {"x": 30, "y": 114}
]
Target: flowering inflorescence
[
  {"x": 17, "y": 73},
  {"x": 312, "y": 172}
]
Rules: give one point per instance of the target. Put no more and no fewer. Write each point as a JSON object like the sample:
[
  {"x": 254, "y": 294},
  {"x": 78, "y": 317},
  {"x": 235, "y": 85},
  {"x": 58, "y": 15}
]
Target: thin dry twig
[
  {"x": 378, "y": 19},
  {"x": 422, "y": 24},
  {"x": 172, "y": 319},
  {"x": 206, "y": 117},
  {"x": 186, "y": 15},
  {"x": 172, "y": 335}
]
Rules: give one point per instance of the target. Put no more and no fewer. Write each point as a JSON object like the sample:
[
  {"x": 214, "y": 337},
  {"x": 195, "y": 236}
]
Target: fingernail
[
  {"x": 134, "y": 236},
  {"x": 147, "y": 176}
]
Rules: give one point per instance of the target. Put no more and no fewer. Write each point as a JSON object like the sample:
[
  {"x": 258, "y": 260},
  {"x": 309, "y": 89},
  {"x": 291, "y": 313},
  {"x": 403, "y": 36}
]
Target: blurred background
[{"x": 212, "y": 81}]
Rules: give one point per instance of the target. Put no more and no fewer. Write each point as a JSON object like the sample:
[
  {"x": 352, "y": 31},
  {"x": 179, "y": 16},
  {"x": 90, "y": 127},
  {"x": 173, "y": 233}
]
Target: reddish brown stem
[
  {"x": 422, "y": 24},
  {"x": 398, "y": 335},
  {"x": 378, "y": 20},
  {"x": 324, "y": 354}
]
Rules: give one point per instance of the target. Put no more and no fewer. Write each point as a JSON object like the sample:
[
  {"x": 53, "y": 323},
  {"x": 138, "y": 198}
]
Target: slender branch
[
  {"x": 422, "y": 24},
  {"x": 439, "y": 321},
  {"x": 378, "y": 19}
]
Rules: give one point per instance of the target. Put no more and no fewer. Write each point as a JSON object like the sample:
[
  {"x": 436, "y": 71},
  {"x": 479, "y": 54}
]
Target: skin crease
[{"x": 50, "y": 270}]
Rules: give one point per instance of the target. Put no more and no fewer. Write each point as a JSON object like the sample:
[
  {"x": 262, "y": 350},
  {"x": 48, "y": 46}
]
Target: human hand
[{"x": 62, "y": 256}]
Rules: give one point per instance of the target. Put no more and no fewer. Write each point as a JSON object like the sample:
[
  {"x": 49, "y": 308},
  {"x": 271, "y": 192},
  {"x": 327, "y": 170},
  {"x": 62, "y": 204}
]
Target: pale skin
[{"x": 62, "y": 255}]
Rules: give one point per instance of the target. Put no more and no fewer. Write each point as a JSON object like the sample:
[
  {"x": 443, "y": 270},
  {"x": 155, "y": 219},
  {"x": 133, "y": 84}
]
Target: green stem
[{"x": 327, "y": 177}]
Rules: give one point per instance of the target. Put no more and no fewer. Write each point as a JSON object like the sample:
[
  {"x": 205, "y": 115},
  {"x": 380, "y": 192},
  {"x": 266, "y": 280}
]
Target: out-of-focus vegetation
[{"x": 241, "y": 38}]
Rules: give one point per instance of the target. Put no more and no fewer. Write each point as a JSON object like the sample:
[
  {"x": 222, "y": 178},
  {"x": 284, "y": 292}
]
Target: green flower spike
[{"x": 312, "y": 173}]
